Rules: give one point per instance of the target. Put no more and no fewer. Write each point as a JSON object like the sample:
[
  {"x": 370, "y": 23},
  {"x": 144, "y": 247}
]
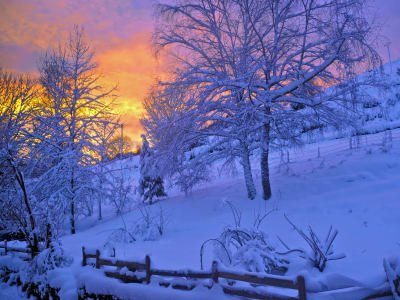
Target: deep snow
[
  {"x": 355, "y": 190},
  {"x": 326, "y": 183}
]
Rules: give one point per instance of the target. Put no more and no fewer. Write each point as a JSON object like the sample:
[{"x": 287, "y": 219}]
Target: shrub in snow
[
  {"x": 38, "y": 269},
  {"x": 250, "y": 250},
  {"x": 150, "y": 184},
  {"x": 392, "y": 269},
  {"x": 150, "y": 188},
  {"x": 149, "y": 226},
  {"x": 247, "y": 249},
  {"x": 120, "y": 192},
  {"x": 321, "y": 249}
]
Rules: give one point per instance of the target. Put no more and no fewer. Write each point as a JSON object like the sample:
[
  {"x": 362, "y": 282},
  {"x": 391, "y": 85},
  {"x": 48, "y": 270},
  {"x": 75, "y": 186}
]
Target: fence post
[
  {"x": 214, "y": 271},
  {"x": 148, "y": 272},
  {"x": 97, "y": 259},
  {"x": 5, "y": 247},
  {"x": 84, "y": 262},
  {"x": 301, "y": 286}
]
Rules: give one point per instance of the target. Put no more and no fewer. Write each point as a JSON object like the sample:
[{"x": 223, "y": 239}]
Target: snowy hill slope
[
  {"x": 355, "y": 190},
  {"x": 382, "y": 110}
]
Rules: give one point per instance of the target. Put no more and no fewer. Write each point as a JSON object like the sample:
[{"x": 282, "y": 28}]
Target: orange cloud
[
  {"x": 133, "y": 67},
  {"x": 119, "y": 30}
]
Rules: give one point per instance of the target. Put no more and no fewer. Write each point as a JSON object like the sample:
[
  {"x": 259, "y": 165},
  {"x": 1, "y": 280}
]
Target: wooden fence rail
[
  {"x": 215, "y": 274},
  {"x": 14, "y": 249}
]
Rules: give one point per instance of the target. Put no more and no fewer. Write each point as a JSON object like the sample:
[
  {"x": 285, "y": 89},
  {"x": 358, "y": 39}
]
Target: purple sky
[{"x": 120, "y": 31}]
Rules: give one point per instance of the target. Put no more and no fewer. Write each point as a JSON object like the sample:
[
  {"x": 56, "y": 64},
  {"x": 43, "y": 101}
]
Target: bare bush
[
  {"x": 150, "y": 226},
  {"x": 248, "y": 249},
  {"x": 321, "y": 250}
]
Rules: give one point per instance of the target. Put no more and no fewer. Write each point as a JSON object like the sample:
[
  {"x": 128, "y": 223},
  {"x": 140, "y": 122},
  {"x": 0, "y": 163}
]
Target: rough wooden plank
[
  {"x": 17, "y": 249},
  {"x": 184, "y": 287},
  {"x": 379, "y": 295},
  {"x": 164, "y": 283},
  {"x": 97, "y": 259},
  {"x": 132, "y": 266},
  {"x": 124, "y": 278},
  {"x": 214, "y": 271},
  {"x": 147, "y": 267},
  {"x": 266, "y": 280},
  {"x": 301, "y": 286},
  {"x": 84, "y": 257},
  {"x": 254, "y": 294},
  {"x": 187, "y": 274}
]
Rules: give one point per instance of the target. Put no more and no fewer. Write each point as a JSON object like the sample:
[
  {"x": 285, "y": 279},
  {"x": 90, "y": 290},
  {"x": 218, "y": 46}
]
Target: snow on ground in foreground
[
  {"x": 11, "y": 292},
  {"x": 357, "y": 191}
]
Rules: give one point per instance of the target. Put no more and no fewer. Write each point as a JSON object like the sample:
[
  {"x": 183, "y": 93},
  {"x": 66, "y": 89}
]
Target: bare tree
[
  {"x": 277, "y": 55},
  {"x": 17, "y": 99},
  {"x": 75, "y": 105}
]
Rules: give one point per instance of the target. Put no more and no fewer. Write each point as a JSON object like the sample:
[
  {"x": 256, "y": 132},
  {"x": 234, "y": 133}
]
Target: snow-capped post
[
  {"x": 84, "y": 262},
  {"x": 97, "y": 259},
  {"x": 147, "y": 266},
  {"x": 5, "y": 247},
  {"x": 301, "y": 286},
  {"x": 214, "y": 271}
]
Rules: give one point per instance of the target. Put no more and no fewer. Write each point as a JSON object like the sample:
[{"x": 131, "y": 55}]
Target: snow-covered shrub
[
  {"x": 149, "y": 226},
  {"x": 247, "y": 249},
  {"x": 38, "y": 269},
  {"x": 151, "y": 185},
  {"x": 321, "y": 249},
  {"x": 120, "y": 192},
  {"x": 392, "y": 269}
]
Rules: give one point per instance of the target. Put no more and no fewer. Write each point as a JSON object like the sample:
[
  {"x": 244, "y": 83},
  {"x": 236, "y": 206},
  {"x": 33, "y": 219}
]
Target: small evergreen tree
[{"x": 150, "y": 185}]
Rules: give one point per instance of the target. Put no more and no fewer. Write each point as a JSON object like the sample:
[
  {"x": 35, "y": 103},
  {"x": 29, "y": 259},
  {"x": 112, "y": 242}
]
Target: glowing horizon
[{"x": 120, "y": 33}]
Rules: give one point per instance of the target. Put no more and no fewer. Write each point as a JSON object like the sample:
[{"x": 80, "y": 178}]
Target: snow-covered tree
[
  {"x": 17, "y": 109},
  {"x": 150, "y": 183},
  {"x": 272, "y": 58},
  {"x": 174, "y": 133},
  {"x": 105, "y": 133},
  {"x": 75, "y": 104}
]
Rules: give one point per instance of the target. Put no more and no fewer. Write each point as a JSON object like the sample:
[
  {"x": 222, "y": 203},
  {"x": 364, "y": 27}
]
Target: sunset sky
[{"x": 120, "y": 32}]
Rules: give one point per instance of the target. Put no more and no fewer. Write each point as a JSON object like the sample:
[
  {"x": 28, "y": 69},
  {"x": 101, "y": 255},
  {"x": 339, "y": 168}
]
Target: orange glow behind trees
[{"x": 120, "y": 33}]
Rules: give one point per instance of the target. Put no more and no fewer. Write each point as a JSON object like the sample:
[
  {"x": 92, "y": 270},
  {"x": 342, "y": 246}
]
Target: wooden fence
[
  {"x": 14, "y": 249},
  {"x": 215, "y": 274}
]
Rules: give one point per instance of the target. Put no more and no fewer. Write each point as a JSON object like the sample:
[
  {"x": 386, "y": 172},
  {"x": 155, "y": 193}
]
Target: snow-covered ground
[{"x": 356, "y": 190}]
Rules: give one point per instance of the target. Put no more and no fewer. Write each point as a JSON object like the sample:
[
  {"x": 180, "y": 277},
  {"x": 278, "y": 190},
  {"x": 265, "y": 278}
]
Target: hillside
[{"x": 356, "y": 190}]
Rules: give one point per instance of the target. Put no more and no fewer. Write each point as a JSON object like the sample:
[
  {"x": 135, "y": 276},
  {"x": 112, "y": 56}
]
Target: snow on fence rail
[
  {"x": 14, "y": 249},
  {"x": 130, "y": 272}
]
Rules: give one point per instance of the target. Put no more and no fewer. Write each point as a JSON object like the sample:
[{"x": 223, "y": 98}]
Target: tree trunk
[
  {"x": 48, "y": 235},
  {"x": 248, "y": 177},
  {"x": 34, "y": 245},
  {"x": 72, "y": 217},
  {"x": 265, "y": 142},
  {"x": 72, "y": 220},
  {"x": 99, "y": 209}
]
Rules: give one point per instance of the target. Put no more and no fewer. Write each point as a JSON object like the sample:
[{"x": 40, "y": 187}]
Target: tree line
[{"x": 56, "y": 132}]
